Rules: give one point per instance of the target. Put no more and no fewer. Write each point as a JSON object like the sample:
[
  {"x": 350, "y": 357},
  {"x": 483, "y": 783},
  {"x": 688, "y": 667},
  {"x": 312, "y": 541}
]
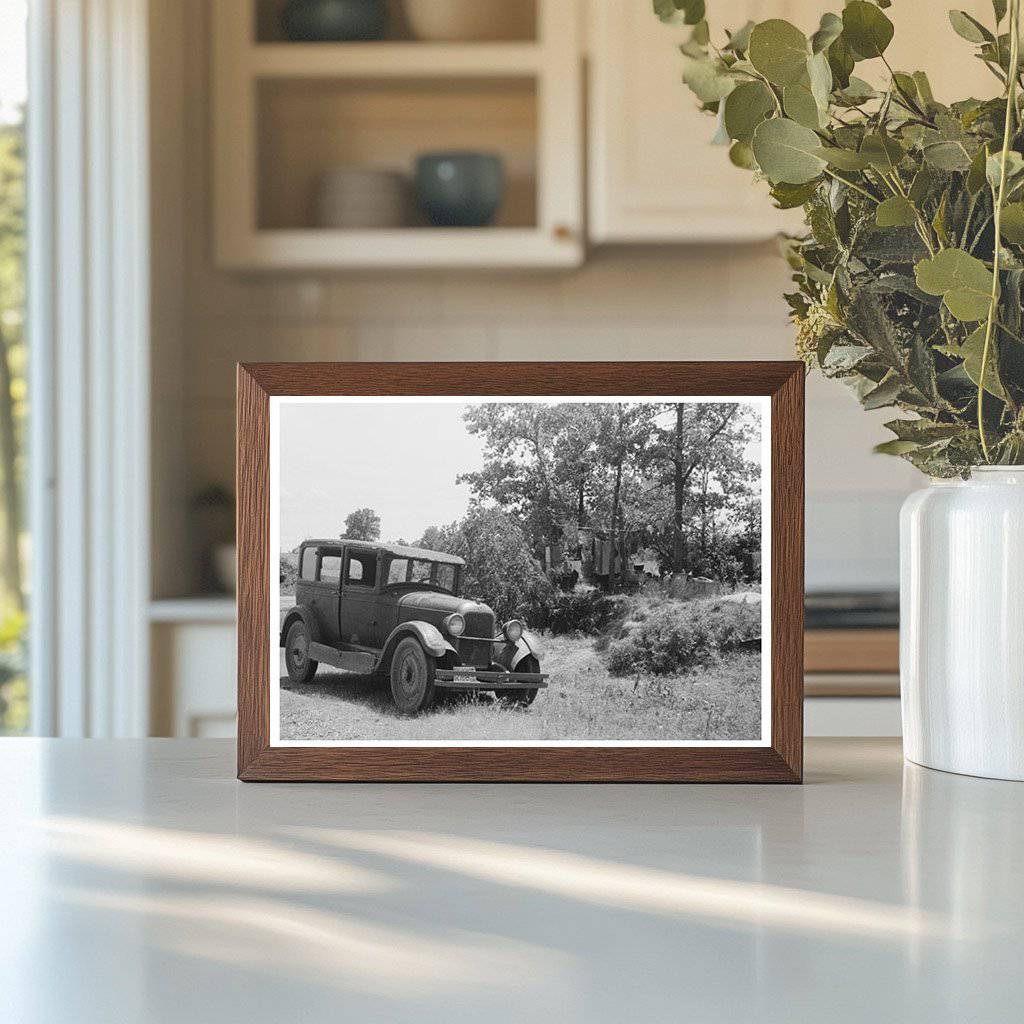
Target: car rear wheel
[
  {"x": 524, "y": 696},
  {"x": 301, "y": 667},
  {"x": 412, "y": 677}
]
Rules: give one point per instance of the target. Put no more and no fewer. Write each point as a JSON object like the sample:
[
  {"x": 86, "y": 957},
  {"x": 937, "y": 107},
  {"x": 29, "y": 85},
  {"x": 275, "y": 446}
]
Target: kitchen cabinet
[
  {"x": 654, "y": 177},
  {"x": 286, "y": 114}
]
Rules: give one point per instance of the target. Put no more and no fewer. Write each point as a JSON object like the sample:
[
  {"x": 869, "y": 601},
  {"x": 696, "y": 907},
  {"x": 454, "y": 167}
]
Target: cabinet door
[{"x": 654, "y": 176}]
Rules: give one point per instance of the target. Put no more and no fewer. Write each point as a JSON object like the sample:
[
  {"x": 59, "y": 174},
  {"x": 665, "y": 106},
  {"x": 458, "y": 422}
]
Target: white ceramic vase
[{"x": 962, "y": 624}]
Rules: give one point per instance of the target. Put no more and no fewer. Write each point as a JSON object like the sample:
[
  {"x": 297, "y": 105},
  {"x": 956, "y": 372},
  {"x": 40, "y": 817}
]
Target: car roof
[{"x": 401, "y": 550}]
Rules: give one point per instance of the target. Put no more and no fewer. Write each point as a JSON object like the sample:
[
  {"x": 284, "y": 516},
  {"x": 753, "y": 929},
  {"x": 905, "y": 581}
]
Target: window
[
  {"x": 308, "y": 564},
  {"x": 330, "y": 568},
  {"x": 362, "y": 568},
  {"x": 14, "y": 687},
  {"x": 446, "y": 576},
  {"x": 421, "y": 571},
  {"x": 398, "y": 570}
]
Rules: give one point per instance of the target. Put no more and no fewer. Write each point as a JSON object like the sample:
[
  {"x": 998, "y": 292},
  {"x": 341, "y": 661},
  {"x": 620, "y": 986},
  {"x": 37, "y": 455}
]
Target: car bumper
[{"x": 479, "y": 679}]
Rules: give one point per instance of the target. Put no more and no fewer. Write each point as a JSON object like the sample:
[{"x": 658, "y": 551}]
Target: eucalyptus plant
[{"x": 910, "y": 278}]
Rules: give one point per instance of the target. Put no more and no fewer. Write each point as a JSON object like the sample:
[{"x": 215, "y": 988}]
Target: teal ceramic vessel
[
  {"x": 334, "y": 21},
  {"x": 460, "y": 189}
]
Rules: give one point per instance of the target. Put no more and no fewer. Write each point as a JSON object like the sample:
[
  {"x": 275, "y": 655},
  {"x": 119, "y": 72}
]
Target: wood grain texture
[
  {"x": 852, "y": 650},
  {"x": 780, "y": 762}
]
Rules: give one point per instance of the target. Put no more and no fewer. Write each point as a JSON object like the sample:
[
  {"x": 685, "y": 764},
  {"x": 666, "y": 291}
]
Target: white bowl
[
  {"x": 362, "y": 198},
  {"x": 471, "y": 20}
]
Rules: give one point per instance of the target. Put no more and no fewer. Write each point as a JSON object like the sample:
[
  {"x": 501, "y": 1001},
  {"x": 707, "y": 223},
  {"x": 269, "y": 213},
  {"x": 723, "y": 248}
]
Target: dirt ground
[{"x": 719, "y": 701}]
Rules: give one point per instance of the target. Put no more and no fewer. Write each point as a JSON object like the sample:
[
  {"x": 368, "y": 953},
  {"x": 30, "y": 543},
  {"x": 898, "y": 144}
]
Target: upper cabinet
[
  {"x": 654, "y": 176},
  {"x": 316, "y": 144}
]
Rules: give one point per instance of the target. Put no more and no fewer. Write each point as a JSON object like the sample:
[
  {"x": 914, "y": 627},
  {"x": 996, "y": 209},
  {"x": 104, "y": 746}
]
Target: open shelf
[
  {"x": 393, "y": 60},
  {"x": 286, "y": 114}
]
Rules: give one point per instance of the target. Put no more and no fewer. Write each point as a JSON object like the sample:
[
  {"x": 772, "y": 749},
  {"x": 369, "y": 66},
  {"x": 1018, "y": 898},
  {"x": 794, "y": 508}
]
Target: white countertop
[{"x": 140, "y": 882}]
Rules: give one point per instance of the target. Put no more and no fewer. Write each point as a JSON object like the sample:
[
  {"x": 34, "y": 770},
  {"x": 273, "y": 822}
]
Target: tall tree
[{"x": 362, "y": 524}]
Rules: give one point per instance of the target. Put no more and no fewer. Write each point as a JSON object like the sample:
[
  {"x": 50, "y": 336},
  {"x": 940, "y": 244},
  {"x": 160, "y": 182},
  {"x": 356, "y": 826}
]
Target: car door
[
  {"x": 321, "y": 594},
  {"x": 358, "y": 622}
]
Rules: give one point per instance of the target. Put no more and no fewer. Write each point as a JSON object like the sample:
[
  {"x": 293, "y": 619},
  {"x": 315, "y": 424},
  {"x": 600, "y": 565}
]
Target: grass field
[{"x": 583, "y": 701}]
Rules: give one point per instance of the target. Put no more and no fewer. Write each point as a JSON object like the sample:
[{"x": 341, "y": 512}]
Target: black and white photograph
[{"x": 573, "y": 571}]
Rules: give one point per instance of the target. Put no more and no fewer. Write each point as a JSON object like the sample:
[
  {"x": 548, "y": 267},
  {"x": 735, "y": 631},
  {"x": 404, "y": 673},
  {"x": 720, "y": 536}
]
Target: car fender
[
  {"x": 510, "y": 655},
  {"x": 428, "y": 635},
  {"x": 299, "y": 612}
]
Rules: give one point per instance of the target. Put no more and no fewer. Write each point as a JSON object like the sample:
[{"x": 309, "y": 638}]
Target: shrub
[
  {"x": 584, "y": 611},
  {"x": 675, "y": 637}
]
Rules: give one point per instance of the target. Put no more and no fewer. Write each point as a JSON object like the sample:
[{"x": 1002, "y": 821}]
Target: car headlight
[
  {"x": 513, "y": 630},
  {"x": 455, "y": 624}
]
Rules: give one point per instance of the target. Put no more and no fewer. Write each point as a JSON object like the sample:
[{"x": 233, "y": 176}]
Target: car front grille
[
  {"x": 475, "y": 648},
  {"x": 478, "y": 653}
]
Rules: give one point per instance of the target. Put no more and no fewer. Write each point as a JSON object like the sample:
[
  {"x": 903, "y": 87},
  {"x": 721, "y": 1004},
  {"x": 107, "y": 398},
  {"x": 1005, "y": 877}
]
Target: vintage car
[{"x": 367, "y": 607}]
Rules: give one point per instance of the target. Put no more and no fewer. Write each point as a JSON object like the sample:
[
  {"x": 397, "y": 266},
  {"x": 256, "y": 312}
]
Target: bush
[
  {"x": 677, "y": 636},
  {"x": 585, "y": 611}
]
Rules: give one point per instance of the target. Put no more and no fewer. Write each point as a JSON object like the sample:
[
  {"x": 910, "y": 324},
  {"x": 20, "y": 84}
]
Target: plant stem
[
  {"x": 1011, "y": 109},
  {"x": 853, "y": 185}
]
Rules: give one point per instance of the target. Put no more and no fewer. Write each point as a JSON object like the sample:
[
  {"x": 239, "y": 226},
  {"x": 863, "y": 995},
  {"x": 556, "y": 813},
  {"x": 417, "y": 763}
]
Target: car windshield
[{"x": 442, "y": 575}]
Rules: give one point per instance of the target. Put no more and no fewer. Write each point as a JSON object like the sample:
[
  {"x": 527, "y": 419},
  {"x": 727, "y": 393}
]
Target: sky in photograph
[{"x": 399, "y": 459}]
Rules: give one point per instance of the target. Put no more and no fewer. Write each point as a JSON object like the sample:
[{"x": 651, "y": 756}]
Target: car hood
[{"x": 419, "y": 601}]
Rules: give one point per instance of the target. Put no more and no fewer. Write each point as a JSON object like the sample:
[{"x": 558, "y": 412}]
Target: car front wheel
[
  {"x": 412, "y": 677},
  {"x": 301, "y": 667},
  {"x": 524, "y": 696}
]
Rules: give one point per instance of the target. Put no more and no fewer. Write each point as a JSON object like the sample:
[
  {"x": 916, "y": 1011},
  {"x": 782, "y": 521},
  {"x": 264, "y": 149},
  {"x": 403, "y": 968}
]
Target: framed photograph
[{"x": 511, "y": 572}]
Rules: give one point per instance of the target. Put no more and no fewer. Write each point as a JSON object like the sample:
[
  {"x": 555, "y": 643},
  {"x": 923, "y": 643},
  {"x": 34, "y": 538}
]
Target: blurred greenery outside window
[{"x": 14, "y": 538}]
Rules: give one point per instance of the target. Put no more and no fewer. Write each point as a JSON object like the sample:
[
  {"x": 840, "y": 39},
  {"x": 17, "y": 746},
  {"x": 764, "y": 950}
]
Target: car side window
[
  {"x": 362, "y": 568},
  {"x": 308, "y": 568},
  {"x": 420, "y": 572},
  {"x": 446, "y": 576},
  {"x": 398, "y": 570},
  {"x": 330, "y": 568}
]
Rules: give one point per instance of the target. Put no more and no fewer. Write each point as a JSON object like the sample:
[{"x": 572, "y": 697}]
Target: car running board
[{"x": 350, "y": 661}]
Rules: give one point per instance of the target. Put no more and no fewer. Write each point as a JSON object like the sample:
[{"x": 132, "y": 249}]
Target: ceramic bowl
[
  {"x": 333, "y": 21},
  {"x": 470, "y": 20},
  {"x": 460, "y": 189}
]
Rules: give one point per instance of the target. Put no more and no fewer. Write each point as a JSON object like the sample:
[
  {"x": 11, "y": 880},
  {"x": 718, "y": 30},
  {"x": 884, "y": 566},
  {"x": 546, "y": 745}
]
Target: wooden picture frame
[{"x": 779, "y": 759}]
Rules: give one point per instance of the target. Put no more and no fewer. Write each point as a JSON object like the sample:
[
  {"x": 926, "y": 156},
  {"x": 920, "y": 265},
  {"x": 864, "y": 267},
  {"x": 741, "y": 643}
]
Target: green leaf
[
  {"x": 999, "y": 8},
  {"x": 976, "y": 173},
  {"x": 923, "y": 431},
  {"x": 922, "y": 185},
  {"x": 787, "y": 152},
  {"x": 971, "y": 351},
  {"x": 788, "y": 197},
  {"x": 883, "y": 152},
  {"x": 857, "y": 91},
  {"x": 739, "y": 41},
  {"x": 885, "y": 394},
  {"x": 741, "y": 155},
  {"x": 924, "y": 87},
  {"x": 829, "y": 30},
  {"x": 689, "y": 12},
  {"x": 819, "y": 74},
  {"x": 969, "y": 28},
  {"x": 1012, "y": 224},
  {"x": 895, "y": 447},
  {"x": 844, "y": 159},
  {"x": 840, "y": 61},
  {"x": 993, "y": 167},
  {"x": 963, "y": 281},
  {"x": 866, "y": 29},
  {"x": 707, "y": 78},
  {"x": 801, "y": 106},
  {"x": 947, "y": 156},
  {"x": 779, "y": 51},
  {"x": 895, "y": 212},
  {"x": 745, "y": 108}
]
